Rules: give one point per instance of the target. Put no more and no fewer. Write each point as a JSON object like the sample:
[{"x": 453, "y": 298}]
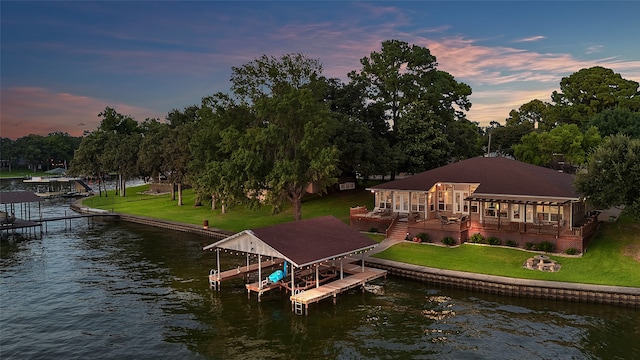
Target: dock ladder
[
  {"x": 297, "y": 305},
  {"x": 214, "y": 284}
]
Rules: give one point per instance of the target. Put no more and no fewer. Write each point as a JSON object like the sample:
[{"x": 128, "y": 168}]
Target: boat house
[{"x": 315, "y": 259}]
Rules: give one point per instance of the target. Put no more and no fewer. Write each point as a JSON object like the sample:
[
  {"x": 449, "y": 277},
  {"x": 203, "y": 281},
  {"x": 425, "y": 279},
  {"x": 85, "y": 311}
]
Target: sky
[{"x": 62, "y": 62}]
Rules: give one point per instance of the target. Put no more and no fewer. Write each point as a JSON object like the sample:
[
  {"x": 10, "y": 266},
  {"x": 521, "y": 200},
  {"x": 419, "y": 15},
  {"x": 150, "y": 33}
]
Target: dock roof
[
  {"x": 302, "y": 243},
  {"x": 18, "y": 197}
]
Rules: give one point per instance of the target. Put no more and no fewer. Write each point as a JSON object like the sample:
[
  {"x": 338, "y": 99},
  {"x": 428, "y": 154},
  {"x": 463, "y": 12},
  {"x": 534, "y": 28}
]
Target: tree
[
  {"x": 362, "y": 133},
  {"x": 151, "y": 153},
  {"x": 612, "y": 175},
  {"x": 589, "y": 92},
  {"x": 618, "y": 121},
  {"x": 564, "y": 142},
  {"x": 532, "y": 115},
  {"x": 215, "y": 169},
  {"x": 87, "y": 159},
  {"x": 401, "y": 75},
  {"x": 423, "y": 142},
  {"x": 113, "y": 147},
  {"x": 177, "y": 152},
  {"x": 289, "y": 142},
  {"x": 120, "y": 152}
]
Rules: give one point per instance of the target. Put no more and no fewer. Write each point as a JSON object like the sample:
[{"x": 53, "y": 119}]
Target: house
[{"x": 518, "y": 203}]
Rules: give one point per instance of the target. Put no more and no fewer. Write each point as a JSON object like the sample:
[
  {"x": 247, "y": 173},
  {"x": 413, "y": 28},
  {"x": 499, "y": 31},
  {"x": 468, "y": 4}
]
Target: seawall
[{"x": 552, "y": 290}]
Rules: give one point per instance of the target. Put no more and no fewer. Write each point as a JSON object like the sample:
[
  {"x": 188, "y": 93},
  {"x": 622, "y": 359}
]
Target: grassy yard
[
  {"x": 237, "y": 218},
  {"x": 613, "y": 257}
]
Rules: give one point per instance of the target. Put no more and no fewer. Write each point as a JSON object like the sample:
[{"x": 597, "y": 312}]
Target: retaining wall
[{"x": 598, "y": 294}]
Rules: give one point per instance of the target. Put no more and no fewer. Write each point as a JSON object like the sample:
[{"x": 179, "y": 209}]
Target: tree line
[
  {"x": 37, "y": 152},
  {"x": 283, "y": 126}
]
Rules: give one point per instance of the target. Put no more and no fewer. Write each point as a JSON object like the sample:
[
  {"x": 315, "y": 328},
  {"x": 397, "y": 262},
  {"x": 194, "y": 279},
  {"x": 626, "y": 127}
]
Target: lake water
[{"x": 122, "y": 291}]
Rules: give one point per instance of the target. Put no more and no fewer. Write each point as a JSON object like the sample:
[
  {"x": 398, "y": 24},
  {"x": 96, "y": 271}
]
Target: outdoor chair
[{"x": 444, "y": 220}]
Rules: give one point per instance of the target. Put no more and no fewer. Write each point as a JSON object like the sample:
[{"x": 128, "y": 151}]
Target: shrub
[
  {"x": 572, "y": 251},
  {"x": 448, "y": 241},
  {"x": 529, "y": 246},
  {"x": 511, "y": 243},
  {"x": 373, "y": 230},
  {"x": 546, "y": 246},
  {"x": 424, "y": 237},
  {"x": 477, "y": 239},
  {"x": 492, "y": 240}
]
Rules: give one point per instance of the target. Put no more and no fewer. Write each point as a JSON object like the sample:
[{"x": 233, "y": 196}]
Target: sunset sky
[{"x": 63, "y": 62}]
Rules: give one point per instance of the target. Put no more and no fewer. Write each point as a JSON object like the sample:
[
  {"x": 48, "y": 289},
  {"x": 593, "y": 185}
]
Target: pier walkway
[{"x": 306, "y": 297}]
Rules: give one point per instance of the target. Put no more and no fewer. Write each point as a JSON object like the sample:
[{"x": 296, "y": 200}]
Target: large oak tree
[{"x": 289, "y": 141}]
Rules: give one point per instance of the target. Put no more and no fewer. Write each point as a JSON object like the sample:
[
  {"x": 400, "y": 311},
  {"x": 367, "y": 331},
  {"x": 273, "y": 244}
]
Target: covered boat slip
[{"x": 319, "y": 259}]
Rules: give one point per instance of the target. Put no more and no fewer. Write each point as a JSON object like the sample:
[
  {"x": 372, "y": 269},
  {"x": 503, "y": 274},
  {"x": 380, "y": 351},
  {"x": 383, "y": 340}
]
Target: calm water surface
[{"x": 122, "y": 291}]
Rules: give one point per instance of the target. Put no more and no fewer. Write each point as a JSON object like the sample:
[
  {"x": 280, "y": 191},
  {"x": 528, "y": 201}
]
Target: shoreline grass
[
  {"x": 237, "y": 218},
  {"x": 611, "y": 258}
]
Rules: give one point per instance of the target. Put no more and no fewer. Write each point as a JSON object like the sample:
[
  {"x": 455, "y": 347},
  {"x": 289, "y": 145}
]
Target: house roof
[
  {"x": 495, "y": 176},
  {"x": 302, "y": 243},
  {"x": 17, "y": 197}
]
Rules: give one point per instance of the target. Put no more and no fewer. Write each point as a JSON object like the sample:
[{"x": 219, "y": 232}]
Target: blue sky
[{"x": 63, "y": 62}]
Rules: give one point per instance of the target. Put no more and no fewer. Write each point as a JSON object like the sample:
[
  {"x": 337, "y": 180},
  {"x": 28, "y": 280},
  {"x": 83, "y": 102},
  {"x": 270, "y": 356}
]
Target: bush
[
  {"x": 572, "y": 251},
  {"x": 424, "y": 237},
  {"x": 529, "y": 246},
  {"x": 492, "y": 240},
  {"x": 477, "y": 239},
  {"x": 373, "y": 230},
  {"x": 448, "y": 241},
  {"x": 546, "y": 246},
  {"x": 511, "y": 243}
]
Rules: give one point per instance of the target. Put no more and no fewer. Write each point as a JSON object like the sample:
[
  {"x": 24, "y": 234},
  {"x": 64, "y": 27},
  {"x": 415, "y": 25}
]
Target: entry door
[
  {"x": 402, "y": 202},
  {"x": 459, "y": 205}
]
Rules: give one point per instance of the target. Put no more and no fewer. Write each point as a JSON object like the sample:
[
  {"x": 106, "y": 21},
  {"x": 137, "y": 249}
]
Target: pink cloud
[
  {"x": 32, "y": 110},
  {"x": 531, "y": 39}
]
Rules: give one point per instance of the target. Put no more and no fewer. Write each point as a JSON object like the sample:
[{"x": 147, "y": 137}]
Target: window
[
  {"x": 444, "y": 198},
  {"x": 492, "y": 209},
  {"x": 474, "y": 207},
  {"x": 418, "y": 201},
  {"x": 547, "y": 213},
  {"x": 515, "y": 212},
  {"x": 384, "y": 200}
]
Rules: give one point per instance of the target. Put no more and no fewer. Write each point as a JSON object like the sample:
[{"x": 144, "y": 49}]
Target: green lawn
[
  {"x": 608, "y": 260},
  {"x": 237, "y": 218}
]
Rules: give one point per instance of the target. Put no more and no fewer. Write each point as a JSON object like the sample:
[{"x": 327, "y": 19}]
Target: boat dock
[
  {"x": 303, "y": 298},
  {"x": 323, "y": 256},
  {"x": 217, "y": 277}
]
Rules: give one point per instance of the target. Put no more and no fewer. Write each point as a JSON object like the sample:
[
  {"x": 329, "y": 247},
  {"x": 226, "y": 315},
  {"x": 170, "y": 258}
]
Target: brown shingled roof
[
  {"x": 17, "y": 197},
  {"x": 495, "y": 176},
  {"x": 303, "y": 242}
]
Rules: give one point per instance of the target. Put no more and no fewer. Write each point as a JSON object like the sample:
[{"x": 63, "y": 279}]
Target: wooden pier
[
  {"x": 360, "y": 278},
  {"x": 216, "y": 278}
]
